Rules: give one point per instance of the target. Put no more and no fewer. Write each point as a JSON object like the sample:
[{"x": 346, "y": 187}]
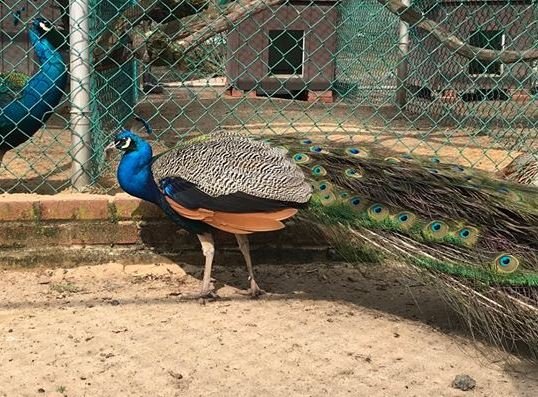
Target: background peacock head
[{"x": 42, "y": 30}]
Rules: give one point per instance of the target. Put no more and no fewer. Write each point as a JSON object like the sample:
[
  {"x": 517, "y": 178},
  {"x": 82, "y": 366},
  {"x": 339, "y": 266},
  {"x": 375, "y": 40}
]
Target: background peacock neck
[
  {"x": 135, "y": 176},
  {"x": 41, "y": 94},
  {"x": 45, "y": 88}
]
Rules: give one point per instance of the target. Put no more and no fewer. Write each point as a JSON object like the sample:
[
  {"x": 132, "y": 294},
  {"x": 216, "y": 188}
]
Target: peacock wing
[
  {"x": 231, "y": 165},
  {"x": 231, "y": 182}
]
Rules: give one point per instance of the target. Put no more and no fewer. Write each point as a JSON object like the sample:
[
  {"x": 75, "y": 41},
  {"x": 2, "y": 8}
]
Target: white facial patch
[
  {"x": 44, "y": 26},
  {"x": 126, "y": 144}
]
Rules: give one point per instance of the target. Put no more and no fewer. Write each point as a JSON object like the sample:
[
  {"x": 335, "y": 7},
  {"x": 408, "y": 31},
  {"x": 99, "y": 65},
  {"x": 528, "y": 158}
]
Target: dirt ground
[{"x": 334, "y": 330}]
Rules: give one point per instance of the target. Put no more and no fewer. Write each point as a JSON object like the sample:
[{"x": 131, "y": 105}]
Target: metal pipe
[
  {"x": 402, "y": 71},
  {"x": 79, "y": 64}
]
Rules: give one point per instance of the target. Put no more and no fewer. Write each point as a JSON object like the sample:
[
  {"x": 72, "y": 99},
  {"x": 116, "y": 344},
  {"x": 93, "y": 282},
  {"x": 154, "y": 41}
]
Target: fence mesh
[{"x": 348, "y": 69}]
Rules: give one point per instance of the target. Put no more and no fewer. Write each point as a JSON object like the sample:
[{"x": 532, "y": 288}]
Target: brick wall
[{"x": 71, "y": 229}]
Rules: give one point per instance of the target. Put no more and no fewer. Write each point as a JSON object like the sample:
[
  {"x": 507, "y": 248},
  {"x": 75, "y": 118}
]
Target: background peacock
[
  {"x": 474, "y": 236},
  {"x": 523, "y": 169},
  {"x": 26, "y": 103}
]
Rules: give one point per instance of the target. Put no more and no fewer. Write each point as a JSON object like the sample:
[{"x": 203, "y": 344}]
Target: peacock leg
[
  {"x": 242, "y": 241},
  {"x": 208, "y": 249}
]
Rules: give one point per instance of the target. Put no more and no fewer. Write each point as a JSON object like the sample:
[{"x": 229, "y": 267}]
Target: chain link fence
[{"x": 350, "y": 69}]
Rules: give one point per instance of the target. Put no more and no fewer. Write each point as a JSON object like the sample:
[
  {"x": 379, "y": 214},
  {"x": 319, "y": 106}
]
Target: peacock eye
[
  {"x": 45, "y": 26},
  {"x": 123, "y": 143},
  {"x": 436, "y": 226},
  {"x": 464, "y": 233}
]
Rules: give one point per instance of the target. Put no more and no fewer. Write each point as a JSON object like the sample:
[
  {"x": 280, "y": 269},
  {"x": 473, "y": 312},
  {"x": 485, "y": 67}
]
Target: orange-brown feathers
[{"x": 238, "y": 223}]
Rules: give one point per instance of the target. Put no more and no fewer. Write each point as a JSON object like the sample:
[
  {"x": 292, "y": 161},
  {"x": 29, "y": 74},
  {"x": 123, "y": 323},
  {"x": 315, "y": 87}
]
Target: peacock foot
[
  {"x": 205, "y": 296},
  {"x": 209, "y": 295},
  {"x": 255, "y": 291}
]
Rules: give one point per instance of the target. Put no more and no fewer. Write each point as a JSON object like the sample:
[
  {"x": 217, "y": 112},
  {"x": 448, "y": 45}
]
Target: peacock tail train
[{"x": 474, "y": 237}]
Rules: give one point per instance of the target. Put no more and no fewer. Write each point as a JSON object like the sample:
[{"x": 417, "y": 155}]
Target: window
[
  {"x": 491, "y": 40},
  {"x": 286, "y": 50}
]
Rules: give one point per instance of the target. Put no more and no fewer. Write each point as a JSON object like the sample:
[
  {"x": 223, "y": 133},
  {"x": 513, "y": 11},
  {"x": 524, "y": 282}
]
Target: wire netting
[{"x": 350, "y": 69}]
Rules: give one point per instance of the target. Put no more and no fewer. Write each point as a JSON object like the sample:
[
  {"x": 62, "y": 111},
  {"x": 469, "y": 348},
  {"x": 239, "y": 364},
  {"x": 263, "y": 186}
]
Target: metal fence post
[
  {"x": 80, "y": 92},
  {"x": 403, "y": 65}
]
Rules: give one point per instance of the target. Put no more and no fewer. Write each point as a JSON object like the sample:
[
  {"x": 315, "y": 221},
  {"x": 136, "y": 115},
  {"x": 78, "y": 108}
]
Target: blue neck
[
  {"x": 45, "y": 88},
  {"x": 135, "y": 176},
  {"x": 25, "y": 115}
]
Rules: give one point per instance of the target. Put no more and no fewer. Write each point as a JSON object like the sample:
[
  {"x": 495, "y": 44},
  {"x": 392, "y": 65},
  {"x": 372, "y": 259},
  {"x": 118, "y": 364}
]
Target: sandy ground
[{"x": 334, "y": 330}]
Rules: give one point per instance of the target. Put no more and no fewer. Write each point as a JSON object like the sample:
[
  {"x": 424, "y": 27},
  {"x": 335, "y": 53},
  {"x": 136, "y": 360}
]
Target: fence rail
[{"x": 352, "y": 69}]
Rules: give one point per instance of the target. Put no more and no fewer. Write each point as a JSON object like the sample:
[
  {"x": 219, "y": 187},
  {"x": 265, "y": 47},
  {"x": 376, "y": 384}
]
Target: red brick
[
  {"x": 321, "y": 96},
  {"x": 166, "y": 233},
  {"x": 104, "y": 233},
  {"x": 17, "y": 207},
  {"x": 129, "y": 207},
  {"x": 125, "y": 206},
  {"x": 31, "y": 235},
  {"x": 24, "y": 235},
  {"x": 233, "y": 92},
  {"x": 521, "y": 96},
  {"x": 73, "y": 206},
  {"x": 449, "y": 96}
]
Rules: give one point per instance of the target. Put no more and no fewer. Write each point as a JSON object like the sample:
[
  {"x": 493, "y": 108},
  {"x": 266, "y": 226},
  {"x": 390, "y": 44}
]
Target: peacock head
[
  {"x": 128, "y": 142},
  {"x": 42, "y": 30},
  {"x": 134, "y": 171},
  {"x": 41, "y": 26}
]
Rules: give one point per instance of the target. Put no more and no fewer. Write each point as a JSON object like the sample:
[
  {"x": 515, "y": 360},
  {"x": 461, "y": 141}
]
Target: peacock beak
[{"x": 108, "y": 150}]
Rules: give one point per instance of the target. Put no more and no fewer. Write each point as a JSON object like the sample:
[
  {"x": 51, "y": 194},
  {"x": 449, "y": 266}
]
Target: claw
[
  {"x": 254, "y": 290},
  {"x": 203, "y": 296}
]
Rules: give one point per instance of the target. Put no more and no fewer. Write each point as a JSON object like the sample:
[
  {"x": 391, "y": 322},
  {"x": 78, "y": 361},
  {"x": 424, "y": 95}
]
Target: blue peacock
[
  {"x": 474, "y": 236},
  {"x": 26, "y": 102}
]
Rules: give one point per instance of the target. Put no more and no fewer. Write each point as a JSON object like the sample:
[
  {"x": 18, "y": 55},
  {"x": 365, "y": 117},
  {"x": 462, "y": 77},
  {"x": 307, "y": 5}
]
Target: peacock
[
  {"x": 474, "y": 236},
  {"x": 26, "y": 102},
  {"x": 523, "y": 169}
]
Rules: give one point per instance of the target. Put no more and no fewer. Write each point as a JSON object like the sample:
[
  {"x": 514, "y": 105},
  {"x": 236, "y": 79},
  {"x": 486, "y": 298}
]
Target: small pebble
[
  {"x": 463, "y": 382},
  {"x": 43, "y": 280},
  {"x": 175, "y": 375}
]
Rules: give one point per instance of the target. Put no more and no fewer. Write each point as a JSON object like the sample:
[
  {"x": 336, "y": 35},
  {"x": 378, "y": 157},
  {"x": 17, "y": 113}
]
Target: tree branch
[
  {"x": 415, "y": 18},
  {"x": 184, "y": 26},
  {"x": 163, "y": 49},
  {"x": 112, "y": 44}
]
